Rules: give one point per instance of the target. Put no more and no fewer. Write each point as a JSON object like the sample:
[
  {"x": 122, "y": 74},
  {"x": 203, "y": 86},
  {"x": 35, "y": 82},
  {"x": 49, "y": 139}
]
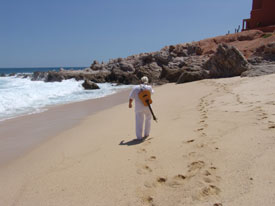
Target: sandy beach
[{"x": 213, "y": 145}]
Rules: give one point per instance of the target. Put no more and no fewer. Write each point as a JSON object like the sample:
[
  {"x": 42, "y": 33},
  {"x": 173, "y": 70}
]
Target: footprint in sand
[
  {"x": 196, "y": 165},
  {"x": 204, "y": 112},
  {"x": 210, "y": 190},
  {"x": 191, "y": 154},
  {"x": 142, "y": 150},
  {"x": 153, "y": 158},
  {"x": 207, "y": 180},
  {"x": 217, "y": 204},
  {"x": 206, "y": 173},
  {"x": 203, "y": 134},
  {"x": 204, "y": 117},
  {"x": 149, "y": 184},
  {"x": 176, "y": 181},
  {"x": 213, "y": 168},
  {"x": 200, "y": 145},
  {"x": 148, "y": 200},
  {"x": 189, "y": 141},
  {"x": 180, "y": 177},
  {"x": 145, "y": 169},
  {"x": 271, "y": 103},
  {"x": 161, "y": 180},
  {"x": 271, "y": 127}
]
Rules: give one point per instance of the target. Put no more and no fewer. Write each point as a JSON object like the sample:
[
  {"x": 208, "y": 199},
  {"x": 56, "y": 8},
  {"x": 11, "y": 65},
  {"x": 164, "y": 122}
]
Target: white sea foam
[{"x": 23, "y": 96}]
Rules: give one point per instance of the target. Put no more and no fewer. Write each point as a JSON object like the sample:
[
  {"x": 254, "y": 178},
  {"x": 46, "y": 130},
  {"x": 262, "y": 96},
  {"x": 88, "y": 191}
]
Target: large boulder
[
  {"x": 189, "y": 68},
  {"x": 162, "y": 57},
  {"x": 228, "y": 61},
  {"x": 50, "y": 76},
  {"x": 96, "y": 66},
  {"x": 126, "y": 67},
  {"x": 89, "y": 85},
  {"x": 146, "y": 58},
  {"x": 260, "y": 69},
  {"x": 269, "y": 52},
  {"x": 179, "y": 50},
  {"x": 98, "y": 77},
  {"x": 54, "y": 76},
  {"x": 38, "y": 76},
  {"x": 152, "y": 71},
  {"x": 265, "y": 52},
  {"x": 177, "y": 62},
  {"x": 192, "y": 74},
  {"x": 171, "y": 74},
  {"x": 194, "y": 49},
  {"x": 95, "y": 76},
  {"x": 119, "y": 76}
]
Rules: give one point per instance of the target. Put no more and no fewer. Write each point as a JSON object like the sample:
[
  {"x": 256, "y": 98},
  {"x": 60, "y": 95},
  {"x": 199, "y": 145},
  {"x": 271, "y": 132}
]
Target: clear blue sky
[{"x": 35, "y": 33}]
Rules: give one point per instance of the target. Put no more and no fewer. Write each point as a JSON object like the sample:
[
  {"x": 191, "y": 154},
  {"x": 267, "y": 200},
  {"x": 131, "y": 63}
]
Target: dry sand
[{"x": 214, "y": 144}]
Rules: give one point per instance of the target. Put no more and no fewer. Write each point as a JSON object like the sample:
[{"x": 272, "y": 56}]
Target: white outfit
[{"x": 142, "y": 112}]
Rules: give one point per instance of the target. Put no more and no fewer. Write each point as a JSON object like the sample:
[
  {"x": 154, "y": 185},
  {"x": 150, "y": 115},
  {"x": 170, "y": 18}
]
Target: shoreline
[{"x": 23, "y": 133}]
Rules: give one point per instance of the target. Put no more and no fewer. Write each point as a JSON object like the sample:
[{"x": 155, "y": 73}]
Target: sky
[{"x": 60, "y": 33}]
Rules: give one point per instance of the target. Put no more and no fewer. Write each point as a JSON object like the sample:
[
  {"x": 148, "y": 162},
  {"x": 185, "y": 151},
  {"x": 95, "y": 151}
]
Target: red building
[{"x": 262, "y": 16}]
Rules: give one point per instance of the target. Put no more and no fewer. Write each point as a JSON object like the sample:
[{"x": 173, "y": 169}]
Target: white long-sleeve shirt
[{"x": 139, "y": 106}]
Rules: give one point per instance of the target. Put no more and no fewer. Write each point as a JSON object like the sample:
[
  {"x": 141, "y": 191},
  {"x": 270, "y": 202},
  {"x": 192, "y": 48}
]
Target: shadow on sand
[{"x": 134, "y": 141}]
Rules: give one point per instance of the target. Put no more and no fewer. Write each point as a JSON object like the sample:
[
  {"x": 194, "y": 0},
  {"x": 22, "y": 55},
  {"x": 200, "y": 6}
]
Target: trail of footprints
[
  {"x": 199, "y": 172},
  {"x": 203, "y": 109},
  {"x": 263, "y": 117}
]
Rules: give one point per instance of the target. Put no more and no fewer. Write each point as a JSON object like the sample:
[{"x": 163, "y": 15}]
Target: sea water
[
  {"x": 21, "y": 96},
  {"x": 27, "y": 70}
]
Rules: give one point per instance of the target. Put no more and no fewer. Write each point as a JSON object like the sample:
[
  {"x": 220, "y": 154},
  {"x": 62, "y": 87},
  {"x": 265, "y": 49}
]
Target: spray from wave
[{"x": 22, "y": 96}]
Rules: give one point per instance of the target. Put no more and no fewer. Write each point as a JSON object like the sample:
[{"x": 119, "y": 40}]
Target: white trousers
[{"x": 140, "y": 116}]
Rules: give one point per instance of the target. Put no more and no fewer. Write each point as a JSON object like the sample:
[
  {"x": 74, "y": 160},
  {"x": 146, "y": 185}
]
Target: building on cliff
[{"x": 262, "y": 16}]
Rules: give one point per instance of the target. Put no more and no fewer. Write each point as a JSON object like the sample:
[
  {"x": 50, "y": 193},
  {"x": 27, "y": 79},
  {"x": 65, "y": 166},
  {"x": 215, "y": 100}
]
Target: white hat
[{"x": 145, "y": 80}]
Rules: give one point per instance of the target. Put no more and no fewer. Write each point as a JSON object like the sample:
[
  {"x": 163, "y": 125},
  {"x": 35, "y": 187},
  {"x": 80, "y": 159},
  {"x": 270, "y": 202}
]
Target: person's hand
[{"x": 130, "y": 103}]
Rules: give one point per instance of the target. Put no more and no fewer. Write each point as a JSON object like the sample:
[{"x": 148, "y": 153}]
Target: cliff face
[{"x": 222, "y": 56}]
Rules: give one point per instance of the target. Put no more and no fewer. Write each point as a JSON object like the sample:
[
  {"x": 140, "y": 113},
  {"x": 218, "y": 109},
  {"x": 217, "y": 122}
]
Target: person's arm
[
  {"x": 130, "y": 103},
  {"x": 151, "y": 90},
  {"x": 131, "y": 97}
]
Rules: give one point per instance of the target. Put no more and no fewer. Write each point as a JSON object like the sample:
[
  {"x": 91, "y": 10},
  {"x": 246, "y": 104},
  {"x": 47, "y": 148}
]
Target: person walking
[{"x": 142, "y": 112}]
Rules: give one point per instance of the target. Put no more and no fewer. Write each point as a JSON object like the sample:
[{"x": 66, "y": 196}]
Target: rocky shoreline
[{"x": 248, "y": 53}]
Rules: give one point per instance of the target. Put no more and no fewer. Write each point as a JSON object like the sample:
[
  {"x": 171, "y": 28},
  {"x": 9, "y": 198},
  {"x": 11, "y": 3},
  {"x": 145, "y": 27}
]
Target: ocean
[
  {"x": 26, "y": 70},
  {"x": 21, "y": 96}
]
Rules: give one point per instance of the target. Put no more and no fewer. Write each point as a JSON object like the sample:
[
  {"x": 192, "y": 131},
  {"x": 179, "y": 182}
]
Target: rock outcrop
[
  {"x": 263, "y": 68},
  {"x": 192, "y": 74},
  {"x": 223, "y": 56},
  {"x": 89, "y": 85},
  {"x": 265, "y": 52},
  {"x": 228, "y": 61}
]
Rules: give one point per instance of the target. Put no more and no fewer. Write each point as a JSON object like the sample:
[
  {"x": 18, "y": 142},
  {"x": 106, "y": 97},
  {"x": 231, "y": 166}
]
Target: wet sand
[{"x": 21, "y": 134}]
